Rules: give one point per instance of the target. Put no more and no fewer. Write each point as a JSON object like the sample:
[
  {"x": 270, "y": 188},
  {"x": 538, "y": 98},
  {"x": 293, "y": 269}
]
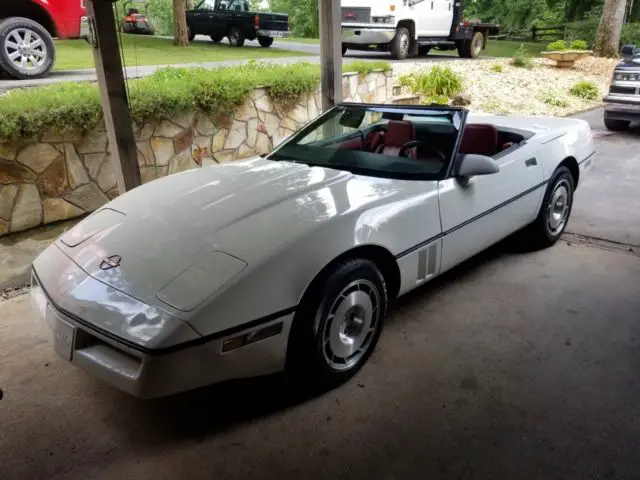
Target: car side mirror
[{"x": 472, "y": 165}]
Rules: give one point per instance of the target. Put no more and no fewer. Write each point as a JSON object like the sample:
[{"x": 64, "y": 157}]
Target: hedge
[{"x": 71, "y": 107}]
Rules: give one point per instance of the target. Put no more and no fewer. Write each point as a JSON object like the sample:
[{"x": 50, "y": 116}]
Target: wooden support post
[
  {"x": 103, "y": 38},
  {"x": 330, "y": 52}
]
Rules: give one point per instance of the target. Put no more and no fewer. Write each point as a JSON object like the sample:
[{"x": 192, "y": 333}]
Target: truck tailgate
[{"x": 274, "y": 21}]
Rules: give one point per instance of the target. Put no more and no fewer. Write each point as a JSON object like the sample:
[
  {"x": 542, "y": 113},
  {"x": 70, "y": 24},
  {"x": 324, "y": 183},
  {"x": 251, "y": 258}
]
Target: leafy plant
[
  {"x": 557, "y": 45},
  {"x": 585, "y": 90},
  {"x": 522, "y": 58},
  {"x": 161, "y": 15},
  {"x": 497, "y": 68},
  {"x": 69, "y": 107},
  {"x": 436, "y": 82},
  {"x": 436, "y": 100},
  {"x": 553, "y": 99},
  {"x": 579, "y": 45},
  {"x": 365, "y": 68}
]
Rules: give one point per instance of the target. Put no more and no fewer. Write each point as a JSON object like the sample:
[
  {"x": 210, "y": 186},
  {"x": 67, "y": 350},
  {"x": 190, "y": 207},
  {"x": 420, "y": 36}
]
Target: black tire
[
  {"x": 344, "y": 49},
  {"x": 543, "y": 232},
  {"x": 471, "y": 48},
  {"x": 616, "y": 125},
  {"x": 236, "y": 37},
  {"x": 265, "y": 42},
  {"x": 44, "y": 53},
  {"x": 216, "y": 38},
  {"x": 424, "y": 51},
  {"x": 191, "y": 36},
  {"x": 401, "y": 44},
  {"x": 312, "y": 360}
]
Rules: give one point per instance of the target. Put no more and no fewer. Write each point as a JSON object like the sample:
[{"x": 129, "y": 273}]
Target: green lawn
[
  {"x": 300, "y": 40},
  {"x": 141, "y": 50}
]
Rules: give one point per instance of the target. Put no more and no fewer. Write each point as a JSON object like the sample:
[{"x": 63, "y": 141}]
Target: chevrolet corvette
[{"x": 287, "y": 262}]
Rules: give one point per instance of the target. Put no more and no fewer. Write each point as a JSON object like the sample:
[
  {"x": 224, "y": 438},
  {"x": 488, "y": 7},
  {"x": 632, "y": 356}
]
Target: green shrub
[
  {"x": 161, "y": 15},
  {"x": 553, "y": 99},
  {"x": 435, "y": 82},
  {"x": 579, "y": 45},
  {"x": 585, "y": 90},
  {"x": 365, "y": 68},
  {"x": 436, "y": 100},
  {"x": 557, "y": 45},
  {"x": 522, "y": 58},
  {"x": 631, "y": 34},
  {"x": 497, "y": 68},
  {"x": 68, "y": 107}
]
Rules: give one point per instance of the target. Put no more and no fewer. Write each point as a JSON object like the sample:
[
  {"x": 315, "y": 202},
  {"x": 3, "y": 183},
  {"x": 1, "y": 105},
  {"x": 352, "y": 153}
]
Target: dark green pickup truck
[{"x": 232, "y": 19}]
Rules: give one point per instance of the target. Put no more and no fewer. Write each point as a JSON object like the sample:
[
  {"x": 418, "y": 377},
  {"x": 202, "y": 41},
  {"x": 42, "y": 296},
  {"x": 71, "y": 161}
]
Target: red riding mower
[{"x": 135, "y": 22}]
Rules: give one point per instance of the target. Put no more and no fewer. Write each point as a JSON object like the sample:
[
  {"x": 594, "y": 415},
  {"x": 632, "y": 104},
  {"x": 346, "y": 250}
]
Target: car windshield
[{"x": 410, "y": 143}]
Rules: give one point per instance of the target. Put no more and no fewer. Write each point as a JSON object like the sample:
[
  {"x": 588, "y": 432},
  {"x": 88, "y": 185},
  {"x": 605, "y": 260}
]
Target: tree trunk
[
  {"x": 610, "y": 29},
  {"x": 180, "y": 34}
]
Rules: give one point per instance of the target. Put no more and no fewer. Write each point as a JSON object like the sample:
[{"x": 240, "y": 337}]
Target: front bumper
[
  {"x": 274, "y": 33},
  {"x": 622, "y": 107},
  {"x": 73, "y": 319},
  {"x": 367, "y": 35}
]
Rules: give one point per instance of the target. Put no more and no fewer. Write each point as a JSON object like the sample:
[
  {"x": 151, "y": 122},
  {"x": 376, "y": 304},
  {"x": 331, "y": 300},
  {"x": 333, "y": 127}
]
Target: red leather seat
[
  {"x": 373, "y": 141},
  {"x": 479, "y": 139},
  {"x": 398, "y": 133}
]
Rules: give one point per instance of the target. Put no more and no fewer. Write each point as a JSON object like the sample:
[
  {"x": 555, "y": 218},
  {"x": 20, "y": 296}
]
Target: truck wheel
[
  {"x": 401, "y": 44},
  {"x": 615, "y": 125},
  {"x": 216, "y": 38},
  {"x": 236, "y": 37},
  {"x": 471, "y": 48},
  {"x": 26, "y": 48},
  {"x": 265, "y": 42},
  {"x": 190, "y": 35}
]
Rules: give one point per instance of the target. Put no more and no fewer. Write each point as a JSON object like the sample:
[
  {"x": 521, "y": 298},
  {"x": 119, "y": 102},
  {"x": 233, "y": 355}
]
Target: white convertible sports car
[{"x": 287, "y": 262}]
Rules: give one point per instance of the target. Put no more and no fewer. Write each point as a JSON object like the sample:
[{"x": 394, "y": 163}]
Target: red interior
[{"x": 479, "y": 139}]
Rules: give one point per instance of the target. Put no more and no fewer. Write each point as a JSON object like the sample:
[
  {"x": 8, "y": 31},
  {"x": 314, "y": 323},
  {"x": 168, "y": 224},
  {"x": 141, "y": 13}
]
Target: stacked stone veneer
[{"x": 57, "y": 177}]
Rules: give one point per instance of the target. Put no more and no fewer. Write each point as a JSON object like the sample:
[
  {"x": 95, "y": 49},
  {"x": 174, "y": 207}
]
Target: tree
[
  {"x": 610, "y": 28},
  {"x": 180, "y": 34}
]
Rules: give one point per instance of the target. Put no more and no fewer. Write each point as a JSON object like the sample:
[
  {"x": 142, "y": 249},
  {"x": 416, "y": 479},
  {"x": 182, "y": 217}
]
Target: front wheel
[
  {"x": 236, "y": 37},
  {"x": 615, "y": 125},
  {"x": 26, "y": 48},
  {"x": 265, "y": 42},
  {"x": 554, "y": 213},
  {"x": 338, "y": 324},
  {"x": 401, "y": 44}
]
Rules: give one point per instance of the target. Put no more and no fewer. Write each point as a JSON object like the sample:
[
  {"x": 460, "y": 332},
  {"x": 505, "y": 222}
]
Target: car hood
[{"x": 202, "y": 227}]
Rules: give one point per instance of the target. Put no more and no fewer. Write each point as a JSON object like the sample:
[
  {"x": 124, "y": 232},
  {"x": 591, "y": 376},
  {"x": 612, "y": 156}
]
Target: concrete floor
[{"x": 512, "y": 366}]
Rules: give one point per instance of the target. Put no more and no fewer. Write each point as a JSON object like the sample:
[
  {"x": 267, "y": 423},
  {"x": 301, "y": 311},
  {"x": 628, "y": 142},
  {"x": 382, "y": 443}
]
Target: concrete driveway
[{"x": 514, "y": 365}]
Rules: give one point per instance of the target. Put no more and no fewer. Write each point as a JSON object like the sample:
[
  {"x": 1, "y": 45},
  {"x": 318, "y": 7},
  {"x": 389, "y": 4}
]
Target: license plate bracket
[{"x": 64, "y": 335}]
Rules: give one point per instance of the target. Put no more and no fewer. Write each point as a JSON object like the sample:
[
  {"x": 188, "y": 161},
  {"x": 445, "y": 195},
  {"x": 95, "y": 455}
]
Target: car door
[{"x": 481, "y": 210}]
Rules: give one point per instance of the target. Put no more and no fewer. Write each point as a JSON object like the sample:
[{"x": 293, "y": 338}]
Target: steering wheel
[{"x": 415, "y": 143}]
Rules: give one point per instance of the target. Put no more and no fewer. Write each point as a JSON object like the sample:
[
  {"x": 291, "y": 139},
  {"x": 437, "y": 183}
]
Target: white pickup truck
[{"x": 411, "y": 27}]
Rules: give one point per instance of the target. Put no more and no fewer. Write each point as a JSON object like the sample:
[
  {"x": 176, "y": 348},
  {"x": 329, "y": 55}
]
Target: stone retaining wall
[{"x": 58, "y": 177}]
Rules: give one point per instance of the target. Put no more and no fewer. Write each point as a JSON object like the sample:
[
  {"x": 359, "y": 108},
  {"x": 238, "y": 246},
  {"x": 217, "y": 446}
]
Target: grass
[
  {"x": 314, "y": 41},
  {"x": 140, "y": 50},
  {"x": 75, "y": 106}
]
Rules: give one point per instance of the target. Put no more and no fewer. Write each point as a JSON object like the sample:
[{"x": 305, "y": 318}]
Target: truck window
[{"x": 234, "y": 5}]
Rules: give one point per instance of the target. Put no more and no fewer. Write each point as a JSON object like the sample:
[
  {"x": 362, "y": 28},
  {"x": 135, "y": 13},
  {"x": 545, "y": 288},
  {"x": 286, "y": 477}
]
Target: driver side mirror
[{"x": 472, "y": 165}]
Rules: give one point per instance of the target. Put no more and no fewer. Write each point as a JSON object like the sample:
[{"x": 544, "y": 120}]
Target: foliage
[
  {"x": 557, "y": 45},
  {"x": 522, "y": 58},
  {"x": 161, "y": 15},
  {"x": 68, "y": 107},
  {"x": 436, "y": 100},
  {"x": 497, "y": 68},
  {"x": 303, "y": 16},
  {"x": 435, "y": 82},
  {"x": 553, "y": 99},
  {"x": 365, "y": 68},
  {"x": 579, "y": 45},
  {"x": 585, "y": 90},
  {"x": 631, "y": 34}
]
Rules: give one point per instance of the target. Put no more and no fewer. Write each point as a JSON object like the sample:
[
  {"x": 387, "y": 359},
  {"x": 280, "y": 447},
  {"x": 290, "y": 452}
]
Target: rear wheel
[
  {"x": 216, "y": 38},
  {"x": 554, "y": 213},
  {"x": 338, "y": 324},
  {"x": 401, "y": 44},
  {"x": 471, "y": 48},
  {"x": 265, "y": 42},
  {"x": 26, "y": 48},
  {"x": 236, "y": 37},
  {"x": 616, "y": 125}
]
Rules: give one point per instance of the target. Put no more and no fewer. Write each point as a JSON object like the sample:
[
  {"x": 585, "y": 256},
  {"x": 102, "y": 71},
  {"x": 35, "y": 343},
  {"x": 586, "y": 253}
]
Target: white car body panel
[{"x": 220, "y": 251}]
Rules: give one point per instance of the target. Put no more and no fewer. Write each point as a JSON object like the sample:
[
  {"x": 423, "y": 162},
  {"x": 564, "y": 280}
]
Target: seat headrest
[
  {"x": 480, "y": 139},
  {"x": 399, "y": 132}
]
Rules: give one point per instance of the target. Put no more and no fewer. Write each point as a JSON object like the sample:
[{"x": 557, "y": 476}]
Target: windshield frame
[{"x": 418, "y": 110}]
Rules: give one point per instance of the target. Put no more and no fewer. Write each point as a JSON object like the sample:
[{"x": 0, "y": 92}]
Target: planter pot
[{"x": 566, "y": 58}]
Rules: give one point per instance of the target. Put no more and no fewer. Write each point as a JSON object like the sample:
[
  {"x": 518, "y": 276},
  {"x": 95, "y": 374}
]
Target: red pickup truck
[{"x": 27, "y": 29}]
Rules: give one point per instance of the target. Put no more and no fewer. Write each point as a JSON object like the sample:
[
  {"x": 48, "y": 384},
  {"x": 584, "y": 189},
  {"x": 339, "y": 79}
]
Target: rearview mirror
[
  {"x": 352, "y": 118},
  {"x": 472, "y": 165}
]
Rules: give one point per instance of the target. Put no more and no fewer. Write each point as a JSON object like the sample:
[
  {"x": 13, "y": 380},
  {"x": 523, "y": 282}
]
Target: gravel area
[
  {"x": 542, "y": 90},
  {"x": 10, "y": 293}
]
